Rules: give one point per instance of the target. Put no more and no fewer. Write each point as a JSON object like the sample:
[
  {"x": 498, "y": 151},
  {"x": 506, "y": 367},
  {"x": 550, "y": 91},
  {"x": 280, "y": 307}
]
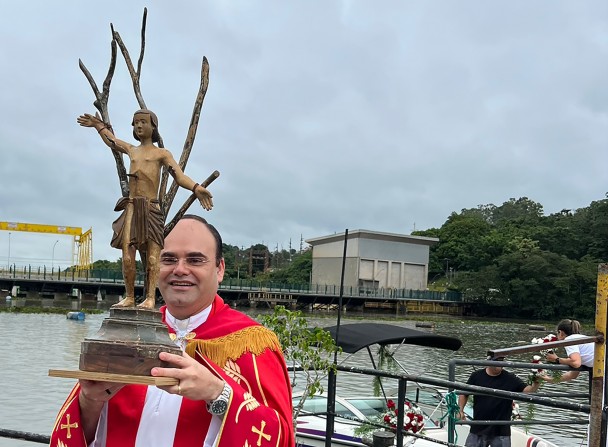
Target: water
[{"x": 34, "y": 343}]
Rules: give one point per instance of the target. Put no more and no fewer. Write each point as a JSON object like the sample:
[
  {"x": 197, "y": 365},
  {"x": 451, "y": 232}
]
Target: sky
[{"x": 320, "y": 115}]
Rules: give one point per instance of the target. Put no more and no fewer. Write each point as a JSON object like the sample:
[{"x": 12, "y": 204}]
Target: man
[
  {"x": 491, "y": 408},
  {"x": 233, "y": 387},
  {"x": 141, "y": 224}
]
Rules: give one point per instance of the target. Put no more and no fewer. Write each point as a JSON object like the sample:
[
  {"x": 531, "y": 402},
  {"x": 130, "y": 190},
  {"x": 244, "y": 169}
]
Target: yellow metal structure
[
  {"x": 82, "y": 245},
  {"x": 598, "y": 382}
]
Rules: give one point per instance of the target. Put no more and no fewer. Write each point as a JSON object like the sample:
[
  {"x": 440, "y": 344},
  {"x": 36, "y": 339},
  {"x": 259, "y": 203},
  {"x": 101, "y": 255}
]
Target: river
[{"x": 34, "y": 343}]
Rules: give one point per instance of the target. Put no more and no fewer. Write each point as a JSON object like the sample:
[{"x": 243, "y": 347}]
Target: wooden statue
[
  {"x": 141, "y": 224},
  {"x": 130, "y": 340},
  {"x": 145, "y": 198}
]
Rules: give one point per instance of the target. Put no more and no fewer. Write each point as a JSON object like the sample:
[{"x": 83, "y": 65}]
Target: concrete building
[{"x": 374, "y": 260}]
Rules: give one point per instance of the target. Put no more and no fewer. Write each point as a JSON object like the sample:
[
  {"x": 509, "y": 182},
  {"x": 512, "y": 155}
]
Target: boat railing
[
  {"x": 555, "y": 400},
  {"x": 549, "y": 400}
]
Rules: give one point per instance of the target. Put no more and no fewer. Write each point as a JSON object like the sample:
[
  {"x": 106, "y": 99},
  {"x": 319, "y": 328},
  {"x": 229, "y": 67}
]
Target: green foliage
[
  {"x": 512, "y": 257},
  {"x": 386, "y": 362},
  {"x": 296, "y": 272},
  {"x": 284, "y": 266},
  {"x": 309, "y": 348}
]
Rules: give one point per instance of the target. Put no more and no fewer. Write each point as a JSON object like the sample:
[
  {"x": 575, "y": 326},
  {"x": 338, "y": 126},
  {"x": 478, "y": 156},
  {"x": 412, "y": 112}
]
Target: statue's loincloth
[{"x": 147, "y": 223}]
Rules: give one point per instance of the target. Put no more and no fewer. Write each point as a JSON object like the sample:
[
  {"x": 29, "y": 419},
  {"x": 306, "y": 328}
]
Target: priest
[{"x": 233, "y": 388}]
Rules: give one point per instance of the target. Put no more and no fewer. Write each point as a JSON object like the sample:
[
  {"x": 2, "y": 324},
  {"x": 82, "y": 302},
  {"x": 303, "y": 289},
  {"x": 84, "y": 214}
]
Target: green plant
[
  {"x": 308, "y": 350},
  {"x": 386, "y": 362}
]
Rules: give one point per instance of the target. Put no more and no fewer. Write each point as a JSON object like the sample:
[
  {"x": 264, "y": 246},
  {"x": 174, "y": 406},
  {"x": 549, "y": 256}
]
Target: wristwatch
[{"x": 220, "y": 405}]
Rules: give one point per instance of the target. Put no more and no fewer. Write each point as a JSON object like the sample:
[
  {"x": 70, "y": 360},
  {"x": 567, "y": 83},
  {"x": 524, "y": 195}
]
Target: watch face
[{"x": 219, "y": 406}]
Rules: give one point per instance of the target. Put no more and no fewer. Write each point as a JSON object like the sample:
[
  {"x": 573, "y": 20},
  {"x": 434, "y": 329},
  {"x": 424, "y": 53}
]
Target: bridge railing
[
  {"x": 115, "y": 276},
  {"x": 68, "y": 274},
  {"x": 333, "y": 290}
]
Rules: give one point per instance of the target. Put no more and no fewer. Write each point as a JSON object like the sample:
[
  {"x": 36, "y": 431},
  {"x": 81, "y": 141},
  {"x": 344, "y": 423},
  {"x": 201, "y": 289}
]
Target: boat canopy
[{"x": 356, "y": 336}]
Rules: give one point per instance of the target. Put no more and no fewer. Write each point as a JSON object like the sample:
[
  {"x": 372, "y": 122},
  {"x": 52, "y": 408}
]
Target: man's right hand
[
  {"x": 95, "y": 391},
  {"x": 93, "y": 396}
]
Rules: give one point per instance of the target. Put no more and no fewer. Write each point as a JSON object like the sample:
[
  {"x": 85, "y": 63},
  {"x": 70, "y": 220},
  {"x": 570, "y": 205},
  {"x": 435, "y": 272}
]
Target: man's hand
[
  {"x": 204, "y": 197},
  {"x": 93, "y": 395},
  {"x": 195, "y": 381},
  {"x": 95, "y": 391}
]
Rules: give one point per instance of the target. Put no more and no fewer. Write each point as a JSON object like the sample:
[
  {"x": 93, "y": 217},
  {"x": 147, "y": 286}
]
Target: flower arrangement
[
  {"x": 546, "y": 339},
  {"x": 533, "y": 376},
  {"x": 413, "y": 419},
  {"x": 515, "y": 414}
]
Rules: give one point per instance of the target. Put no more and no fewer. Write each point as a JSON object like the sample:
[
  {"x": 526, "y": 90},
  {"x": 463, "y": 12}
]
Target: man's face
[
  {"x": 494, "y": 369},
  {"x": 186, "y": 287},
  {"x": 142, "y": 125}
]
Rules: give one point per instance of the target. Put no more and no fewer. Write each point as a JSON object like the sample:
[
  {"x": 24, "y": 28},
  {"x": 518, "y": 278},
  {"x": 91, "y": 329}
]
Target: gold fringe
[{"x": 253, "y": 339}]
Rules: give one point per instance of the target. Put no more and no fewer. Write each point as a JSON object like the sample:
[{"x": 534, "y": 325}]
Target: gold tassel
[{"x": 253, "y": 339}]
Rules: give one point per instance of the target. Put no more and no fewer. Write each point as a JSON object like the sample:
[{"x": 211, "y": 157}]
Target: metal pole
[
  {"x": 331, "y": 380},
  {"x": 8, "y": 261},
  {"x": 597, "y": 427},
  {"x": 53, "y": 255}
]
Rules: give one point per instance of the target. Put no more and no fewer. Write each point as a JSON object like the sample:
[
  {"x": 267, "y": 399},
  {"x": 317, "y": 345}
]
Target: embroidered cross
[
  {"x": 260, "y": 433},
  {"x": 69, "y": 426}
]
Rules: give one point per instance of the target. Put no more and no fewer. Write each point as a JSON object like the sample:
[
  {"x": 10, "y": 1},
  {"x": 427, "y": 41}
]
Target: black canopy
[{"x": 355, "y": 336}]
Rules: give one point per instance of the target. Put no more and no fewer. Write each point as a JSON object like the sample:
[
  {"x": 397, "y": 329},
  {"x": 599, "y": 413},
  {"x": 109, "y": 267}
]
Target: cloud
[{"x": 320, "y": 116}]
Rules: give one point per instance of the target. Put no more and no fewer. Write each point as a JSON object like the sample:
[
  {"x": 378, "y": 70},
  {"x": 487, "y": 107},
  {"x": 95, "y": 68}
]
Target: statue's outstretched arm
[
  {"x": 202, "y": 194},
  {"x": 104, "y": 130}
]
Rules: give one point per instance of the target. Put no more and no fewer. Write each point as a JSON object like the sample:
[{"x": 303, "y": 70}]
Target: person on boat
[
  {"x": 492, "y": 408},
  {"x": 232, "y": 387},
  {"x": 140, "y": 226},
  {"x": 579, "y": 356}
]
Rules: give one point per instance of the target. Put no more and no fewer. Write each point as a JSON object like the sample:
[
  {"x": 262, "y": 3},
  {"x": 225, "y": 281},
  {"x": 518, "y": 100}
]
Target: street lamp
[{"x": 53, "y": 255}]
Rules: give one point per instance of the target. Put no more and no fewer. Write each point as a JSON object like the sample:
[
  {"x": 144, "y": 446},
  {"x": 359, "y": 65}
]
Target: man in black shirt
[{"x": 491, "y": 408}]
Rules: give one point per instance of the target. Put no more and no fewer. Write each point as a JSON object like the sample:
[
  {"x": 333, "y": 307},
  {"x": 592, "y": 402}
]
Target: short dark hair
[{"x": 216, "y": 235}]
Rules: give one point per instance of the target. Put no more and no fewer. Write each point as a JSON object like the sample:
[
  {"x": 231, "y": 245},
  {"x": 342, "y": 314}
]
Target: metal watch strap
[{"x": 220, "y": 404}]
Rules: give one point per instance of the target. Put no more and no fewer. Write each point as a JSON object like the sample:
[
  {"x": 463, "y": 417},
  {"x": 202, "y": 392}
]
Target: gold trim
[
  {"x": 253, "y": 339},
  {"x": 73, "y": 394},
  {"x": 257, "y": 378}
]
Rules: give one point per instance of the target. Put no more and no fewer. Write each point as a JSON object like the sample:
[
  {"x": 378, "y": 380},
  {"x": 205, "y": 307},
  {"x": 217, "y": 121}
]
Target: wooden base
[
  {"x": 128, "y": 343},
  {"x": 119, "y": 378}
]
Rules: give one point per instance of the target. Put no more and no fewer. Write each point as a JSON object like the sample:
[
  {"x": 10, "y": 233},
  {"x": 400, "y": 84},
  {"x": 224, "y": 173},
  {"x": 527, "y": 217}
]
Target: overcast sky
[{"x": 320, "y": 115}]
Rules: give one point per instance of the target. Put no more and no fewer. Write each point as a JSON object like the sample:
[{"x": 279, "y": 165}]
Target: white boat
[
  {"x": 349, "y": 411},
  {"x": 352, "y": 411}
]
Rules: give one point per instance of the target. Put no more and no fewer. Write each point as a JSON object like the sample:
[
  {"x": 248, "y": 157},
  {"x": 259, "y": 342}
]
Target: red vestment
[{"x": 260, "y": 409}]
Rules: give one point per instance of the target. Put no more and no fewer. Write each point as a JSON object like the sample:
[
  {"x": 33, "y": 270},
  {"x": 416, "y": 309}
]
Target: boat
[{"x": 353, "y": 412}]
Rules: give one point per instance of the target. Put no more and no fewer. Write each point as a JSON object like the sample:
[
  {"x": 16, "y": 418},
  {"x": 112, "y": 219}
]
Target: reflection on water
[{"x": 32, "y": 344}]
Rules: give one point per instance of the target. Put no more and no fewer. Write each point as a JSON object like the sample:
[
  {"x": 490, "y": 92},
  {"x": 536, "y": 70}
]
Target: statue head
[{"x": 153, "y": 120}]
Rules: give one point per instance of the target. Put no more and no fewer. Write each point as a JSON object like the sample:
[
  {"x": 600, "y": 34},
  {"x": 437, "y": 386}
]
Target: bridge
[{"x": 107, "y": 285}]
